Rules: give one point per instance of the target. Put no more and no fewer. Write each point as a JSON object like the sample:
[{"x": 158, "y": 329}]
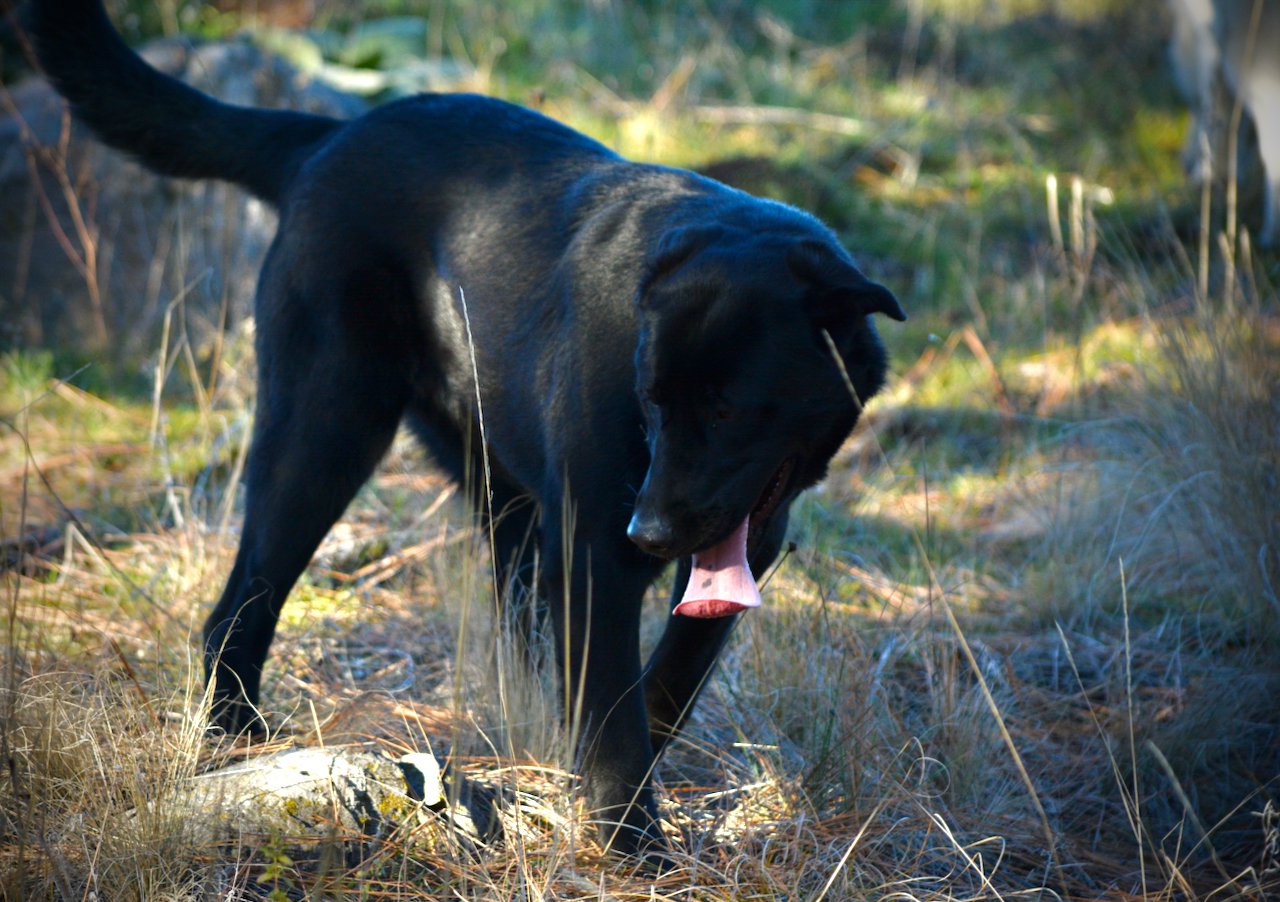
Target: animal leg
[
  {"x": 594, "y": 604},
  {"x": 326, "y": 413}
]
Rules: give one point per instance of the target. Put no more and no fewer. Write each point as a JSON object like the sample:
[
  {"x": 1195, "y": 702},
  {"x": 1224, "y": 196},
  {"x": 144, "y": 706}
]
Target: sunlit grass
[{"x": 1075, "y": 459}]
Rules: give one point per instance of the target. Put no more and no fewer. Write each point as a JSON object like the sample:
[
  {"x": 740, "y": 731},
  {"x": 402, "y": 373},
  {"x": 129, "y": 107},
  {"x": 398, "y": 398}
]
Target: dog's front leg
[
  {"x": 594, "y": 594},
  {"x": 680, "y": 666}
]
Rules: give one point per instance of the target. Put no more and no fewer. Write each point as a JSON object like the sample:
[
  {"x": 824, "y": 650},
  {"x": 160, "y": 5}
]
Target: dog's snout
[{"x": 651, "y": 534}]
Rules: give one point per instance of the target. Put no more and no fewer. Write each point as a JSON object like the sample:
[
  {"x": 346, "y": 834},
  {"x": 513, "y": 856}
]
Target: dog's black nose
[{"x": 652, "y": 534}]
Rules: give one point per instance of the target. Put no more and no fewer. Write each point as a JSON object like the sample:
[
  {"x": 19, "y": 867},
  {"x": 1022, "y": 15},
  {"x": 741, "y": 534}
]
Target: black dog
[{"x": 656, "y": 357}]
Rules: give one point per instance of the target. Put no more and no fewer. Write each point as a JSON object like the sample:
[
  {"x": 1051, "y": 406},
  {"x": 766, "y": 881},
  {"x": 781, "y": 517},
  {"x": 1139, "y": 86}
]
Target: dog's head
[{"x": 755, "y": 355}]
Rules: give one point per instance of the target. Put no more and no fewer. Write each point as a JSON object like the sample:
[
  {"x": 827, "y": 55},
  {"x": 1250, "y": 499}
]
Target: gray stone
[
  {"x": 154, "y": 241},
  {"x": 359, "y": 796}
]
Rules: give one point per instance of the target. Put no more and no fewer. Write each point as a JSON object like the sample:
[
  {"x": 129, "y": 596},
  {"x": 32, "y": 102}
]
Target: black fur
[{"x": 652, "y": 350}]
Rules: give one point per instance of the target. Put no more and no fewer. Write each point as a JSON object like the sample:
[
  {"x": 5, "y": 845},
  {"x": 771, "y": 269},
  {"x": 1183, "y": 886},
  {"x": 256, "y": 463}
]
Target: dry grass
[
  {"x": 858, "y": 741},
  {"x": 1027, "y": 646}
]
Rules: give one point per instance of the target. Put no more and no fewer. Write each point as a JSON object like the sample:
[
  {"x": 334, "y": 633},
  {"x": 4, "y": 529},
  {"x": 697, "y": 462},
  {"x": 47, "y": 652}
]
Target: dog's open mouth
[{"x": 721, "y": 582}]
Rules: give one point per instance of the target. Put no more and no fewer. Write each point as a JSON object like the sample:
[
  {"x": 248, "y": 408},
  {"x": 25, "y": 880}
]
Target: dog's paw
[
  {"x": 235, "y": 718},
  {"x": 635, "y": 837}
]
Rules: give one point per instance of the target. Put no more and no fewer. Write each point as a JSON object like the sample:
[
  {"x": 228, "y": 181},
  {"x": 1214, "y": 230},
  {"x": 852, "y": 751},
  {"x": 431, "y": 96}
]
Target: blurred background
[{"x": 922, "y": 131}]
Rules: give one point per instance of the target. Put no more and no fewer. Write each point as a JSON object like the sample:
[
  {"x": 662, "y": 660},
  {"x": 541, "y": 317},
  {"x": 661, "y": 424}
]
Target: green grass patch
[{"x": 1027, "y": 639}]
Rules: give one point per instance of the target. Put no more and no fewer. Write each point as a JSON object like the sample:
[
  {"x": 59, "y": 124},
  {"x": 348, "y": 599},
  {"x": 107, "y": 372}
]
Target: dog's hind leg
[{"x": 327, "y": 409}]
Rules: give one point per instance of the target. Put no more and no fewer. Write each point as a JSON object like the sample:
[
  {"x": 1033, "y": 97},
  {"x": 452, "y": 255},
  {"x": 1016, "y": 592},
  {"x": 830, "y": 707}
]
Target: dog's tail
[{"x": 167, "y": 126}]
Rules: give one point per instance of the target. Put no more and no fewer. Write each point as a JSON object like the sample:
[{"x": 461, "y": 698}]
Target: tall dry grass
[
  {"x": 1084, "y": 711},
  {"x": 857, "y": 741}
]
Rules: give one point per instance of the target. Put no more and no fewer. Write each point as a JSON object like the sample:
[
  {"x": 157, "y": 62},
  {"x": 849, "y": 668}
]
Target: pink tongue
[{"x": 721, "y": 583}]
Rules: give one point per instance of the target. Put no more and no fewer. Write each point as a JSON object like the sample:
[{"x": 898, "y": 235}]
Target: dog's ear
[
  {"x": 665, "y": 271},
  {"x": 836, "y": 289}
]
